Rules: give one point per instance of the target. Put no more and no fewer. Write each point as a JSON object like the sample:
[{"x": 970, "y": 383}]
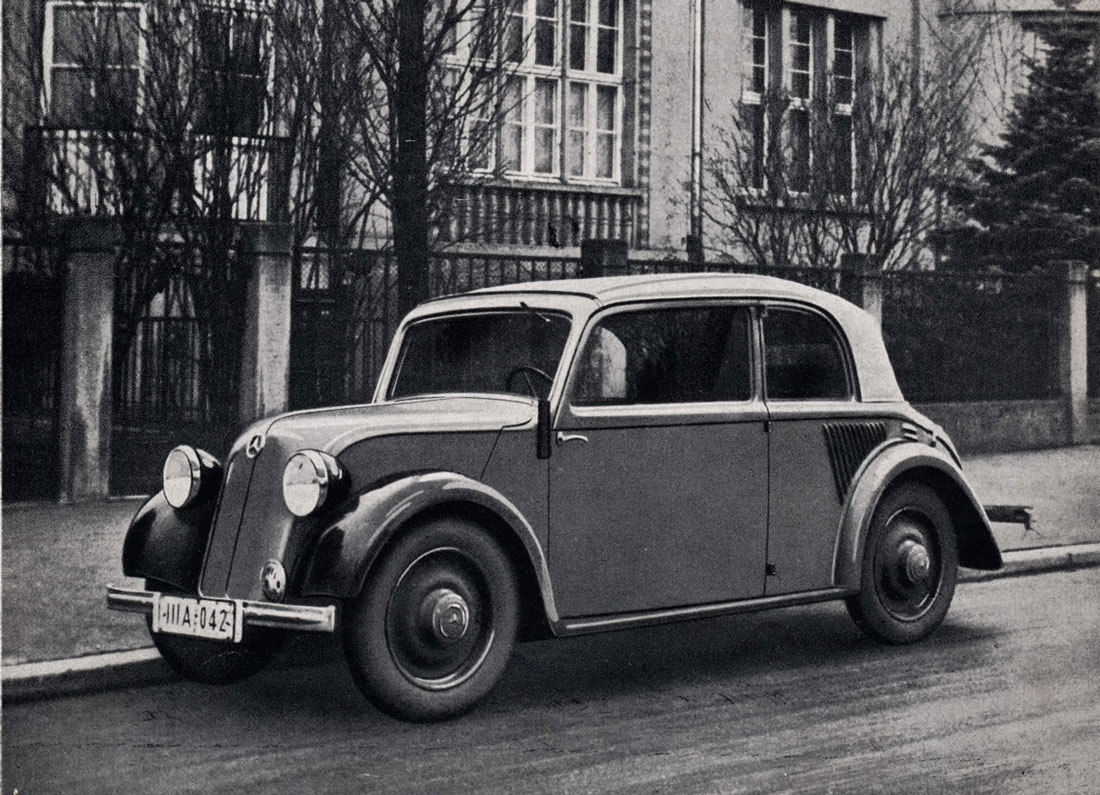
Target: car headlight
[
  {"x": 308, "y": 481},
  {"x": 186, "y": 472}
]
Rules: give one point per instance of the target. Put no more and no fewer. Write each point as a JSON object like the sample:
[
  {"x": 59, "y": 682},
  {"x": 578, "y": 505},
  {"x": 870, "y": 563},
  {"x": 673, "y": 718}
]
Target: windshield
[{"x": 508, "y": 351}]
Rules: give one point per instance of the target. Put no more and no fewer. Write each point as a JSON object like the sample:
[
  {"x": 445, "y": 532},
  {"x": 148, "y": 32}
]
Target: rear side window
[
  {"x": 803, "y": 358},
  {"x": 689, "y": 355}
]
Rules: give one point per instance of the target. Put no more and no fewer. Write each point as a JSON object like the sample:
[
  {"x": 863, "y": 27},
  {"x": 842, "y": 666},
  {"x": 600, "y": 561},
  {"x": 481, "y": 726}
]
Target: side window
[
  {"x": 690, "y": 355},
  {"x": 803, "y": 358}
]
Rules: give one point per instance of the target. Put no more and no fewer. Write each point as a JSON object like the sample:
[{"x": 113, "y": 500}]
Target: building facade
[{"x": 610, "y": 110}]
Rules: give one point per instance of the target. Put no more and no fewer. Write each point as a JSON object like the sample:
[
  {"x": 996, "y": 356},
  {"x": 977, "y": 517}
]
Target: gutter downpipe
[{"x": 695, "y": 235}]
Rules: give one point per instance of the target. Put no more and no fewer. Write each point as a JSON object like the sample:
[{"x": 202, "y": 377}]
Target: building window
[
  {"x": 755, "y": 21},
  {"x": 843, "y": 51},
  {"x": 799, "y": 60},
  {"x": 813, "y": 54},
  {"x": 93, "y": 54},
  {"x": 234, "y": 66},
  {"x": 561, "y": 96}
]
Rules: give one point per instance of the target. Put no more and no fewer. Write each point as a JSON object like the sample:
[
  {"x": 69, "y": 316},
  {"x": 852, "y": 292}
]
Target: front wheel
[
  {"x": 213, "y": 662},
  {"x": 432, "y": 630},
  {"x": 910, "y": 565}
]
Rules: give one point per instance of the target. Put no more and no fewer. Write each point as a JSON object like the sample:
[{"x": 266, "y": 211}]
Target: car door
[
  {"x": 809, "y": 388},
  {"x": 658, "y": 479}
]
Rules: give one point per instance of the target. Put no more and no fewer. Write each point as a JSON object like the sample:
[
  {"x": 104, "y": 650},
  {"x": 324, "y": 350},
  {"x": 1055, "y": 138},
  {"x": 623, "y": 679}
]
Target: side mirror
[{"x": 542, "y": 430}]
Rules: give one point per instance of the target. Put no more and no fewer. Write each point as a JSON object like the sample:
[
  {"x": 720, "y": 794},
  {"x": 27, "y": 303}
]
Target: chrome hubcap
[
  {"x": 450, "y": 615},
  {"x": 907, "y": 566},
  {"x": 916, "y": 561},
  {"x": 439, "y": 621}
]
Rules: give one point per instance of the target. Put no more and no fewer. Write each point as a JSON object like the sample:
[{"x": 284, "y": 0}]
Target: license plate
[{"x": 214, "y": 619}]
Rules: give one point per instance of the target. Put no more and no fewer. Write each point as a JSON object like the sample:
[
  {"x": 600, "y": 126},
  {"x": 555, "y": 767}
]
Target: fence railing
[
  {"x": 963, "y": 337},
  {"x": 33, "y": 309},
  {"x": 74, "y": 171},
  {"x": 540, "y": 214},
  {"x": 176, "y": 355}
]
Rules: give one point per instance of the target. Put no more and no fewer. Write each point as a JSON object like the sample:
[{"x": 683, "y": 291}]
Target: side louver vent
[{"x": 849, "y": 443}]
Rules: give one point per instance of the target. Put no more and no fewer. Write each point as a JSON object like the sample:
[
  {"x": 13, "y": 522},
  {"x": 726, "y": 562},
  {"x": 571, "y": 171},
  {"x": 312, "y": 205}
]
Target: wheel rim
[
  {"x": 908, "y": 565},
  {"x": 439, "y": 620}
]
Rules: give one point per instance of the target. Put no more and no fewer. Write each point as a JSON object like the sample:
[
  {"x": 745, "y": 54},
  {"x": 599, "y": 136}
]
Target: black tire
[
  {"x": 433, "y": 628},
  {"x": 904, "y": 592},
  {"x": 213, "y": 662}
]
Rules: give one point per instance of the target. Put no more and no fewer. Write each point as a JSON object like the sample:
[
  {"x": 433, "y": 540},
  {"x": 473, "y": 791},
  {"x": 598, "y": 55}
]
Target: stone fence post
[
  {"x": 603, "y": 258},
  {"x": 265, "y": 352},
  {"x": 1072, "y": 346},
  {"x": 86, "y": 340},
  {"x": 861, "y": 282}
]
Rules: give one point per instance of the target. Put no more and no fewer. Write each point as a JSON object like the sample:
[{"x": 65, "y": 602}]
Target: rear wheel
[
  {"x": 910, "y": 566},
  {"x": 432, "y": 630},
  {"x": 213, "y": 662}
]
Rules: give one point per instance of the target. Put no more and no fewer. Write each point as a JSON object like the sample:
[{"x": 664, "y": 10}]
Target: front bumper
[{"x": 302, "y": 618}]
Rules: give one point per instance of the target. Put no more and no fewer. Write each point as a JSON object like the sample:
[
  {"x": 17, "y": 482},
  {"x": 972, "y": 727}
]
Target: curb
[
  {"x": 82, "y": 675},
  {"x": 141, "y": 667},
  {"x": 1025, "y": 562}
]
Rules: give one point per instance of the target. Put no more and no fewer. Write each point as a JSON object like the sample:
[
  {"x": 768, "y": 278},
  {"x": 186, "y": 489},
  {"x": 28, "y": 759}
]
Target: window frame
[
  {"x": 839, "y": 337},
  {"x": 752, "y": 96},
  {"x": 561, "y": 73},
  {"x": 49, "y": 46},
  {"x": 393, "y": 375},
  {"x": 570, "y": 411},
  {"x": 261, "y": 11},
  {"x": 779, "y": 71}
]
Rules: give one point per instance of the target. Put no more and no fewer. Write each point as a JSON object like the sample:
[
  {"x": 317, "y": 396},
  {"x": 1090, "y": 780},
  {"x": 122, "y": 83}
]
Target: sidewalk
[{"x": 58, "y": 558}]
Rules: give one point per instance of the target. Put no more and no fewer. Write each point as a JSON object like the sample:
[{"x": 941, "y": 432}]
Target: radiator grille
[{"x": 849, "y": 443}]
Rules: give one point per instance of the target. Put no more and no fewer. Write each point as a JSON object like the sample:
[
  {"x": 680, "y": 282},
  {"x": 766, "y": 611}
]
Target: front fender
[
  {"x": 166, "y": 544},
  {"x": 931, "y": 465},
  {"x": 350, "y": 542}
]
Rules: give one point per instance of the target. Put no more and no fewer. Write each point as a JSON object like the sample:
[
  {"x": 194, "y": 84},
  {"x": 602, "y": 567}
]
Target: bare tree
[
  {"x": 768, "y": 205},
  {"x": 913, "y": 131},
  {"x": 158, "y": 119},
  {"x": 434, "y": 85},
  {"x": 865, "y": 173}
]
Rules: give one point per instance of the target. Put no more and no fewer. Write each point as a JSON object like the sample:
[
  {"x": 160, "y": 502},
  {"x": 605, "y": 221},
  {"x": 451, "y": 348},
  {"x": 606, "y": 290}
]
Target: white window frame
[
  {"x": 564, "y": 77},
  {"x": 822, "y": 27},
  {"x": 799, "y": 104},
  {"x": 844, "y": 109},
  {"x": 754, "y": 10},
  {"x": 49, "y": 42},
  {"x": 262, "y": 10}
]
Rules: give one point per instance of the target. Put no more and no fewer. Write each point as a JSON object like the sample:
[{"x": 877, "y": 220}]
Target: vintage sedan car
[{"x": 559, "y": 458}]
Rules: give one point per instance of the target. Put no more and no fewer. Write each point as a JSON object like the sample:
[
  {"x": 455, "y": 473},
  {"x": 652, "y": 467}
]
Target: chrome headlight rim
[
  {"x": 309, "y": 480},
  {"x": 182, "y": 487}
]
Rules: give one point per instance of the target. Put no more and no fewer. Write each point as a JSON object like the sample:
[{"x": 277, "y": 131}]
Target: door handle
[{"x": 571, "y": 437}]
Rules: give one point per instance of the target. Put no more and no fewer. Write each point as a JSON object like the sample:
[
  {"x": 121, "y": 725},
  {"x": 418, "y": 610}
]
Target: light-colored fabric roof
[{"x": 876, "y": 376}]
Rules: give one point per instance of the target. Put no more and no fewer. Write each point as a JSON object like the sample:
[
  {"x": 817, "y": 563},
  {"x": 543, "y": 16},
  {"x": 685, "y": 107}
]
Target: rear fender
[
  {"x": 350, "y": 542},
  {"x": 166, "y": 544},
  {"x": 929, "y": 465}
]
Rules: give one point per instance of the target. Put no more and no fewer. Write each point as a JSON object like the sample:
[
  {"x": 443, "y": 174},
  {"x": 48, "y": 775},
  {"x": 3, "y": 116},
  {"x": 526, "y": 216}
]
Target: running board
[{"x": 590, "y": 624}]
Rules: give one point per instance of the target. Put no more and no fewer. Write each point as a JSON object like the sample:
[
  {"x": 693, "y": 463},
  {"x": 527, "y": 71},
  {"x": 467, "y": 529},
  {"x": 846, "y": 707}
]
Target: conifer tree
[{"x": 1035, "y": 198}]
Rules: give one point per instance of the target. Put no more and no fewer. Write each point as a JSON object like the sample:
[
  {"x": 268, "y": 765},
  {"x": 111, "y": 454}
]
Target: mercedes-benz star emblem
[{"x": 255, "y": 445}]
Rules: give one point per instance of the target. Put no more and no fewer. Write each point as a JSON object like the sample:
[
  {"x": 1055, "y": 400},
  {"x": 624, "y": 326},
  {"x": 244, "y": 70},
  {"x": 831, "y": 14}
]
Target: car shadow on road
[{"x": 811, "y": 653}]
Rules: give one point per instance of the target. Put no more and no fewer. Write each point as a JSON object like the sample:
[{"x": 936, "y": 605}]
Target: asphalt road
[{"x": 1005, "y": 698}]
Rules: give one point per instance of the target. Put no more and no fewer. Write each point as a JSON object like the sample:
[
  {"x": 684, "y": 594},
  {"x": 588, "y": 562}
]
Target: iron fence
[
  {"x": 345, "y": 306},
  {"x": 176, "y": 365},
  {"x": 344, "y": 312},
  {"x": 966, "y": 337},
  {"x": 454, "y": 272},
  {"x": 33, "y": 306},
  {"x": 832, "y": 280}
]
